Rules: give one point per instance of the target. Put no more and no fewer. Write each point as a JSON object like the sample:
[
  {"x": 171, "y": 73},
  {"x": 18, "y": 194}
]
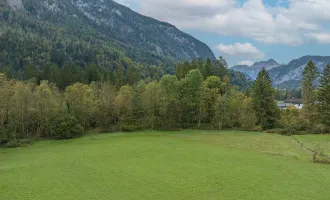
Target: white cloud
[
  {"x": 289, "y": 22},
  {"x": 246, "y": 62},
  {"x": 321, "y": 38},
  {"x": 246, "y": 50}
]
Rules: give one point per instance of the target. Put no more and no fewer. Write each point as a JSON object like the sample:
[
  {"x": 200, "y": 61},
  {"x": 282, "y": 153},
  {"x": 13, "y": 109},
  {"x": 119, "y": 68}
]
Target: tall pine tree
[
  {"x": 119, "y": 76},
  {"x": 263, "y": 100},
  {"x": 310, "y": 75},
  {"x": 323, "y": 97}
]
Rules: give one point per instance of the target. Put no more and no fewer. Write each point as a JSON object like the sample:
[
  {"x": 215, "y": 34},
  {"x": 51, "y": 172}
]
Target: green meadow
[{"x": 167, "y": 165}]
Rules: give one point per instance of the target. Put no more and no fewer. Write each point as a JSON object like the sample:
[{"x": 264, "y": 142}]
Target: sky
[{"x": 246, "y": 31}]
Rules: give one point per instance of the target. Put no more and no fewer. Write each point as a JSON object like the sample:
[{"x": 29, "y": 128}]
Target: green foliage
[
  {"x": 323, "y": 97},
  {"x": 191, "y": 88},
  {"x": 248, "y": 118},
  {"x": 320, "y": 129},
  {"x": 124, "y": 104},
  {"x": 264, "y": 101},
  {"x": 214, "y": 68},
  {"x": 310, "y": 75},
  {"x": 290, "y": 116},
  {"x": 81, "y": 99},
  {"x": 128, "y": 127},
  {"x": 221, "y": 116},
  {"x": 66, "y": 127}
]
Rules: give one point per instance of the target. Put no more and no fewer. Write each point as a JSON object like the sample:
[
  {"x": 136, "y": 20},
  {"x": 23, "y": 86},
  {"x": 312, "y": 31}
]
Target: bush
[
  {"x": 280, "y": 131},
  {"x": 17, "y": 143},
  {"x": 299, "y": 127},
  {"x": 319, "y": 157},
  {"x": 13, "y": 144},
  {"x": 128, "y": 128},
  {"x": 320, "y": 129},
  {"x": 66, "y": 127}
]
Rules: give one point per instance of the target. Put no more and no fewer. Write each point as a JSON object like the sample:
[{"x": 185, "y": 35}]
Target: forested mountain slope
[
  {"x": 87, "y": 40},
  {"x": 141, "y": 38}
]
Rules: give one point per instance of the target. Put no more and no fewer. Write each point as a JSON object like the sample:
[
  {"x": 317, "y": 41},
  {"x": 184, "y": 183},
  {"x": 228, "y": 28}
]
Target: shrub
[
  {"x": 67, "y": 127},
  {"x": 319, "y": 157},
  {"x": 17, "y": 143},
  {"x": 320, "y": 129},
  {"x": 128, "y": 128},
  {"x": 13, "y": 144}
]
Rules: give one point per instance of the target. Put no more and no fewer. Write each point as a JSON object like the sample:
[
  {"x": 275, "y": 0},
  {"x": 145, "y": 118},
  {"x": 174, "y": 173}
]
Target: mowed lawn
[{"x": 165, "y": 165}]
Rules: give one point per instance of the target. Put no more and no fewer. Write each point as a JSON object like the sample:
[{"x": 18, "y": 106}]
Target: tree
[
  {"x": 263, "y": 98},
  {"x": 49, "y": 105},
  {"x": 7, "y": 126},
  {"x": 105, "y": 95},
  {"x": 323, "y": 97},
  {"x": 211, "y": 91},
  {"x": 21, "y": 104},
  {"x": 310, "y": 75},
  {"x": 169, "y": 101},
  {"x": 179, "y": 71},
  {"x": 133, "y": 75},
  {"x": 218, "y": 68},
  {"x": 82, "y": 102},
  {"x": 207, "y": 68},
  {"x": 150, "y": 99},
  {"x": 119, "y": 75},
  {"x": 191, "y": 87},
  {"x": 248, "y": 118},
  {"x": 66, "y": 127},
  {"x": 92, "y": 73},
  {"x": 223, "y": 61},
  {"x": 221, "y": 108},
  {"x": 123, "y": 104},
  {"x": 290, "y": 116}
]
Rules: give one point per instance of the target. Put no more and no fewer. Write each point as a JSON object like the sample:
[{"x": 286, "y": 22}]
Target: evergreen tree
[
  {"x": 323, "y": 97},
  {"x": 133, "y": 75},
  {"x": 310, "y": 75},
  {"x": 207, "y": 69},
  {"x": 263, "y": 99},
  {"x": 223, "y": 61},
  {"x": 119, "y": 75}
]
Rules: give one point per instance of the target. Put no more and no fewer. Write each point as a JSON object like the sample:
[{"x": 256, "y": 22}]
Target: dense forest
[
  {"x": 63, "y": 55},
  {"x": 31, "y": 110}
]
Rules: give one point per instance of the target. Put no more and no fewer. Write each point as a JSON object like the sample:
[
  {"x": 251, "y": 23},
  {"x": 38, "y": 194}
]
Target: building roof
[{"x": 294, "y": 100}]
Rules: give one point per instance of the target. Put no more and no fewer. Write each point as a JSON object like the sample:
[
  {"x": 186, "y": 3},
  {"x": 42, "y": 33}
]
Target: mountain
[
  {"x": 284, "y": 76},
  {"x": 252, "y": 71},
  {"x": 290, "y": 75},
  {"x": 103, "y": 25}
]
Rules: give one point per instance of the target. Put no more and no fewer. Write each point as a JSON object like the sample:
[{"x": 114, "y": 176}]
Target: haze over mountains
[{"x": 288, "y": 75}]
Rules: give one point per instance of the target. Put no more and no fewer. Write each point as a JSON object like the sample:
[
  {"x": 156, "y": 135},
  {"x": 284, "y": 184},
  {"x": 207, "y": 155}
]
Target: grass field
[{"x": 166, "y": 165}]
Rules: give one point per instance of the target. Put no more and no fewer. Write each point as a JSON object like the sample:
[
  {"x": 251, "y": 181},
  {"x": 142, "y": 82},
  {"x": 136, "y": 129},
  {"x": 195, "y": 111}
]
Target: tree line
[
  {"x": 314, "y": 117},
  {"x": 41, "y": 109},
  {"x": 195, "y": 101}
]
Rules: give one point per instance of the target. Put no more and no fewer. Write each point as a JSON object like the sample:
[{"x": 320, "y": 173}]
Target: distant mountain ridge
[
  {"x": 291, "y": 74},
  {"x": 284, "y": 76},
  {"x": 252, "y": 71}
]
